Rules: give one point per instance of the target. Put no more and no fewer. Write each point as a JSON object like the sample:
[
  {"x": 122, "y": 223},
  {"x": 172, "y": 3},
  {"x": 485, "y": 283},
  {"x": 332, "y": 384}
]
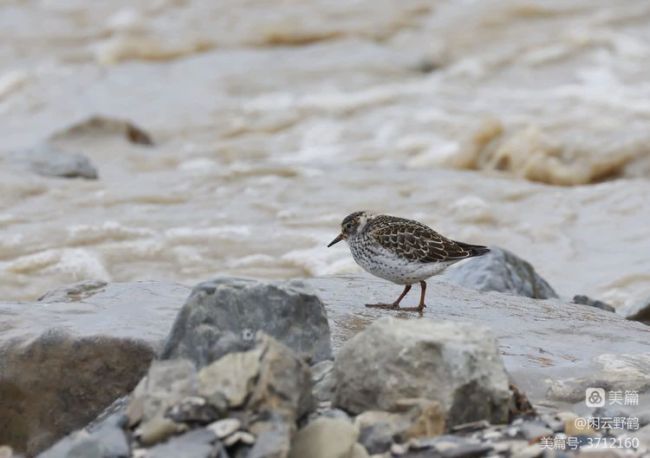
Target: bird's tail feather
[{"x": 475, "y": 250}]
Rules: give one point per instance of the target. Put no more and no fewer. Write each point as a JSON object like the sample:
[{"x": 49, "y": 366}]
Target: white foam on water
[
  {"x": 80, "y": 264},
  {"x": 107, "y": 231},
  {"x": 191, "y": 235},
  {"x": 11, "y": 82},
  {"x": 270, "y": 128},
  {"x": 318, "y": 261}
]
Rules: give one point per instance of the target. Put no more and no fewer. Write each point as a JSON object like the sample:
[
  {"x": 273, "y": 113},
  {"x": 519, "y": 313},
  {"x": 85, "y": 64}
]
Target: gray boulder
[
  {"x": 224, "y": 314},
  {"x": 502, "y": 271},
  {"x": 66, "y": 358},
  {"x": 49, "y": 161},
  {"x": 456, "y": 364}
]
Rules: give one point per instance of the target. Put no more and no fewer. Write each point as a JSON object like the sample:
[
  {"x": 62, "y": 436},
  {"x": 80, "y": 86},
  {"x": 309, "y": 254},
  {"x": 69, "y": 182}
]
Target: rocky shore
[{"x": 497, "y": 366}]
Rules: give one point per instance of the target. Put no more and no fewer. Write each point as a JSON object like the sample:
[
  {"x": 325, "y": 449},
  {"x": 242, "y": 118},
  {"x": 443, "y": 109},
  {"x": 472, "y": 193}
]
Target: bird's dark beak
[{"x": 336, "y": 240}]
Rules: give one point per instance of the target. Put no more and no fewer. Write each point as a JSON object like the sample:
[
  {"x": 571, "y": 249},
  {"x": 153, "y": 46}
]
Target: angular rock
[
  {"x": 274, "y": 434},
  {"x": 228, "y": 382},
  {"x": 66, "y": 358},
  {"x": 198, "y": 443},
  {"x": 268, "y": 378},
  {"x": 166, "y": 384},
  {"x": 502, "y": 271},
  {"x": 48, "y": 161},
  {"x": 223, "y": 315},
  {"x": 157, "y": 430},
  {"x": 108, "y": 441},
  {"x": 193, "y": 409},
  {"x": 239, "y": 437},
  {"x": 325, "y": 438},
  {"x": 456, "y": 364},
  {"x": 378, "y": 429},
  {"x": 323, "y": 380},
  {"x": 584, "y": 300},
  {"x": 328, "y": 412},
  {"x": 224, "y": 428}
]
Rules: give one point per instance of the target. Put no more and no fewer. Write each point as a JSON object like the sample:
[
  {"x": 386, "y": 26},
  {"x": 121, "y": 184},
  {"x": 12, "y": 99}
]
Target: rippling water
[{"x": 518, "y": 123}]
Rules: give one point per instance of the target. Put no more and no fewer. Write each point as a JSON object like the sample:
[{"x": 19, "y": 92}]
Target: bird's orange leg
[
  {"x": 394, "y": 305},
  {"x": 421, "y": 305}
]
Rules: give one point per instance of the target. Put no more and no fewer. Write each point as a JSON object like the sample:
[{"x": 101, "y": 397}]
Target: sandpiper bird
[{"x": 401, "y": 250}]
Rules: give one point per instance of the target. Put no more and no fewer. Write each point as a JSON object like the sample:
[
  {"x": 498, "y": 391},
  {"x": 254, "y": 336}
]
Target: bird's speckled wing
[{"x": 415, "y": 241}]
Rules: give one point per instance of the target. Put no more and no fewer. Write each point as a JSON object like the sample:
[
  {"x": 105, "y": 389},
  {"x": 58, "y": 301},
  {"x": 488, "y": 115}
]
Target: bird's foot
[
  {"x": 418, "y": 309},
  {"x": 384, "y": 306}
]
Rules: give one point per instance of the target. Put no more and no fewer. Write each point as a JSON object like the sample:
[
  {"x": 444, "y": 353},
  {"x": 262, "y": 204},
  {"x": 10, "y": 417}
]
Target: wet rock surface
[
  {"x": 503, "y": 271},
  {"x": 253, "y": 399},
  {"x": 538, "y": 340},
  {"x": 66, "y": 358},
  {"x": 224, "y": 314}
]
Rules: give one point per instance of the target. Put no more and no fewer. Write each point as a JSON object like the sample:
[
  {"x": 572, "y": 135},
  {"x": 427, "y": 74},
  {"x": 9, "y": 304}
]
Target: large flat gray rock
[{"x": 64, "y": 359}]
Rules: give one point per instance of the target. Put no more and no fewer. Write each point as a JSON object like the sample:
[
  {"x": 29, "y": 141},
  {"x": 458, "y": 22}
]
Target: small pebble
[
  {"x": 492, "y": 435},
  {"x": 6, "y": 451},
  {"x": 157, "y": 429},
  {"x": 473, "y": 426},
  {"x": 240, "y": 436},
  {"x": 224, "y": 428},
  {"x": 398, "y": 449}
]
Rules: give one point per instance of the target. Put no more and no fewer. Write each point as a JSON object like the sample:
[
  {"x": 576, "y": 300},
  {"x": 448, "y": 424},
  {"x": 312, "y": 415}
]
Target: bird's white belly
[{"x": 384, "y": 264}]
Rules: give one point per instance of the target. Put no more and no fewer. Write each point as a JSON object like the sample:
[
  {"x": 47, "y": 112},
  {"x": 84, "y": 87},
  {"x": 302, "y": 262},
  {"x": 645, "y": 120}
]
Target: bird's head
[{"x": 351, "y": 225}]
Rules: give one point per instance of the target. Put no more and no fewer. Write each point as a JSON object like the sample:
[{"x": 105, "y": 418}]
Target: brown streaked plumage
[
  {"x": 401, "y": 250},
  {"x": 416, "y": 242}
]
